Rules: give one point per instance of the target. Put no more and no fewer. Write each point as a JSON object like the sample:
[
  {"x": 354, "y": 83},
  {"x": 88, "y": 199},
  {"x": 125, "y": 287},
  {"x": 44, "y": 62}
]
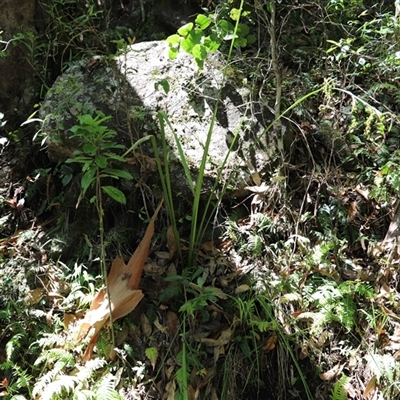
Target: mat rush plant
[{"x": 193, "y": 39}]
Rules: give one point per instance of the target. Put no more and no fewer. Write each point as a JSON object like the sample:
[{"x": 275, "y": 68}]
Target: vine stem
[{"x": 278, "y": 76}]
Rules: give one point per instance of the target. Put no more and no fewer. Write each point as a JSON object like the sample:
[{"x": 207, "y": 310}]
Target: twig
[{"x": 278, "y": 128}]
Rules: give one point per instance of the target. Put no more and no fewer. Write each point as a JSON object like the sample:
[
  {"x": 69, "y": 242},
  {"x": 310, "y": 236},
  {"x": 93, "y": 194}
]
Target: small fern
[
  {"x": 172, "y": 290},
  {"x": 13, "y": 346},
  {"x": 383, "y": 366},
  {"x": 87, "y": 371},
  {"x": 49, "y": 340},
  {"x": 64, "y": 384},
  {"x": 55, "y": 382},
  {"x": 105, "y": 388},
  {"x": 335, "y": 303},
  {"x": 253, "y": 247},
  {"x": 103, "y": 345},
  {"x": 21, "y": 380},
  {"x": 61, "y": 356},
  {"x": 339, "y": 391},
  {"x": 45, "y": 380}
]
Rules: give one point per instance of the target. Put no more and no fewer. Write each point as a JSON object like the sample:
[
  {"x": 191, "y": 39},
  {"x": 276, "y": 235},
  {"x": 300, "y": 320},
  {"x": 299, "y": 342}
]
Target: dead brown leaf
[
  {"x": 332, "y": 373},
  {"x": 122, "y": 295},
  {"x": 271, "y": 343},
  {"x": 145, "y": 324},
  {"x": 34, "y": 296},
  {"x": 208, "y": 247},
  {"x": 242, "y": 288},
  {"x": 154, "y": 270},
  {"x": 362, "y": 192},
  {"x": 172, "y": 323},
  {"x": 170, "y": 390},
  {"x": 171, "y": 242},
  {"x": 371, "y": 386}
]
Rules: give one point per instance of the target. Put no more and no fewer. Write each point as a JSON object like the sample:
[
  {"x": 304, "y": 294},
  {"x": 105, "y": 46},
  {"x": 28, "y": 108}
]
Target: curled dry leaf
[
  {"x": 171, "y": 242},
  {"x": 172, "y": 323},
  {"x": 123, "y": 282},
  {"x": 332, "y": 373},
  {"x": 271, "y": 343},
  {"x": 170, "y": 390}
]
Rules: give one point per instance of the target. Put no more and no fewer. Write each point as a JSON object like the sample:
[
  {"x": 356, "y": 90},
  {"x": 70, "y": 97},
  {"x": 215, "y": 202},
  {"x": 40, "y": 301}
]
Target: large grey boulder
[{"x": 128, "y": 88}]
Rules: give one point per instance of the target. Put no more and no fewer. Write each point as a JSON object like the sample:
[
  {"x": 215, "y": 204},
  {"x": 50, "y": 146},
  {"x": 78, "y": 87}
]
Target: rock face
[{"x": 132, "y": 90}]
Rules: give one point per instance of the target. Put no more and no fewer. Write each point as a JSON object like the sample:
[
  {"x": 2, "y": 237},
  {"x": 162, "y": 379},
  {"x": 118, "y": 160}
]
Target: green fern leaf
[
  {"x": 103, "y": 345},
  {"x": 105, "y": 389},
  {"x": 64, "y": 384},
  {"x": 13, "y": 346},
  {"x": 339, "y": 391}
]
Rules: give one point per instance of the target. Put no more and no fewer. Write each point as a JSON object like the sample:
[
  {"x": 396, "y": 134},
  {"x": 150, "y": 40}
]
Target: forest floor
[
  {"x": 295, "y": 297},
  {"x": 293, "y": 292}
]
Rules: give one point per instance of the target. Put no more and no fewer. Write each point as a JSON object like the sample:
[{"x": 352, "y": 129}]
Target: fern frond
[
  {"x": 86, "y": 372},
  {"x": 64, "y": 384},
  {"x": 84, "y": 394},
  {"x": 13, "y": 346},
  {"x": 6, "y": 365},
  {"x": 339, "y": 391},
  {"x": 103, "y": 345},
  {"x": 105, "y": 388},
  {"x": 23, "y": 378},
  {"x": 383, "y": 366},
  {"x": 49, "y": 340},
  {"x": 262, "y": 326},
  {"x": 38, "y": 313},
  {"x": 57, "y": 355},
  {"x": 44, "y": 381},
  {"x": 182, "y": 377},
  {"x": 174, "y": 289},
  {"x": 130, "y": 351},
  {"x": 109, "y": 394}
]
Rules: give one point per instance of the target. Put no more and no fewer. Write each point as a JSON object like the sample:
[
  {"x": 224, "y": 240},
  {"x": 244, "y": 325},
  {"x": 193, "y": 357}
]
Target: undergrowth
[{"x": 298, "y": 297}]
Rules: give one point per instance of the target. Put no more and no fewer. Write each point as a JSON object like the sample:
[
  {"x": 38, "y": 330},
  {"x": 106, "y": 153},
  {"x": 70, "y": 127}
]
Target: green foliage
[
  {"x": 194, "y": 39},
  {"x": 202, "y": 297},
  {"x": 339, "y": 391},
  {"x": 74, "y": 29},
  {"x": 105, "y": 388},
  {"x": 97, "y": 154},
  {"x": 53, "y": 357},
  {"x": 5, "y": 45},
  {"x": 298, "y": 246},
  {"x": 385, "y": 368},
  {"x": 256, "y": 241},
  {"x": 335, "y": 302},
  {"x": 152, "y": 354}
]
